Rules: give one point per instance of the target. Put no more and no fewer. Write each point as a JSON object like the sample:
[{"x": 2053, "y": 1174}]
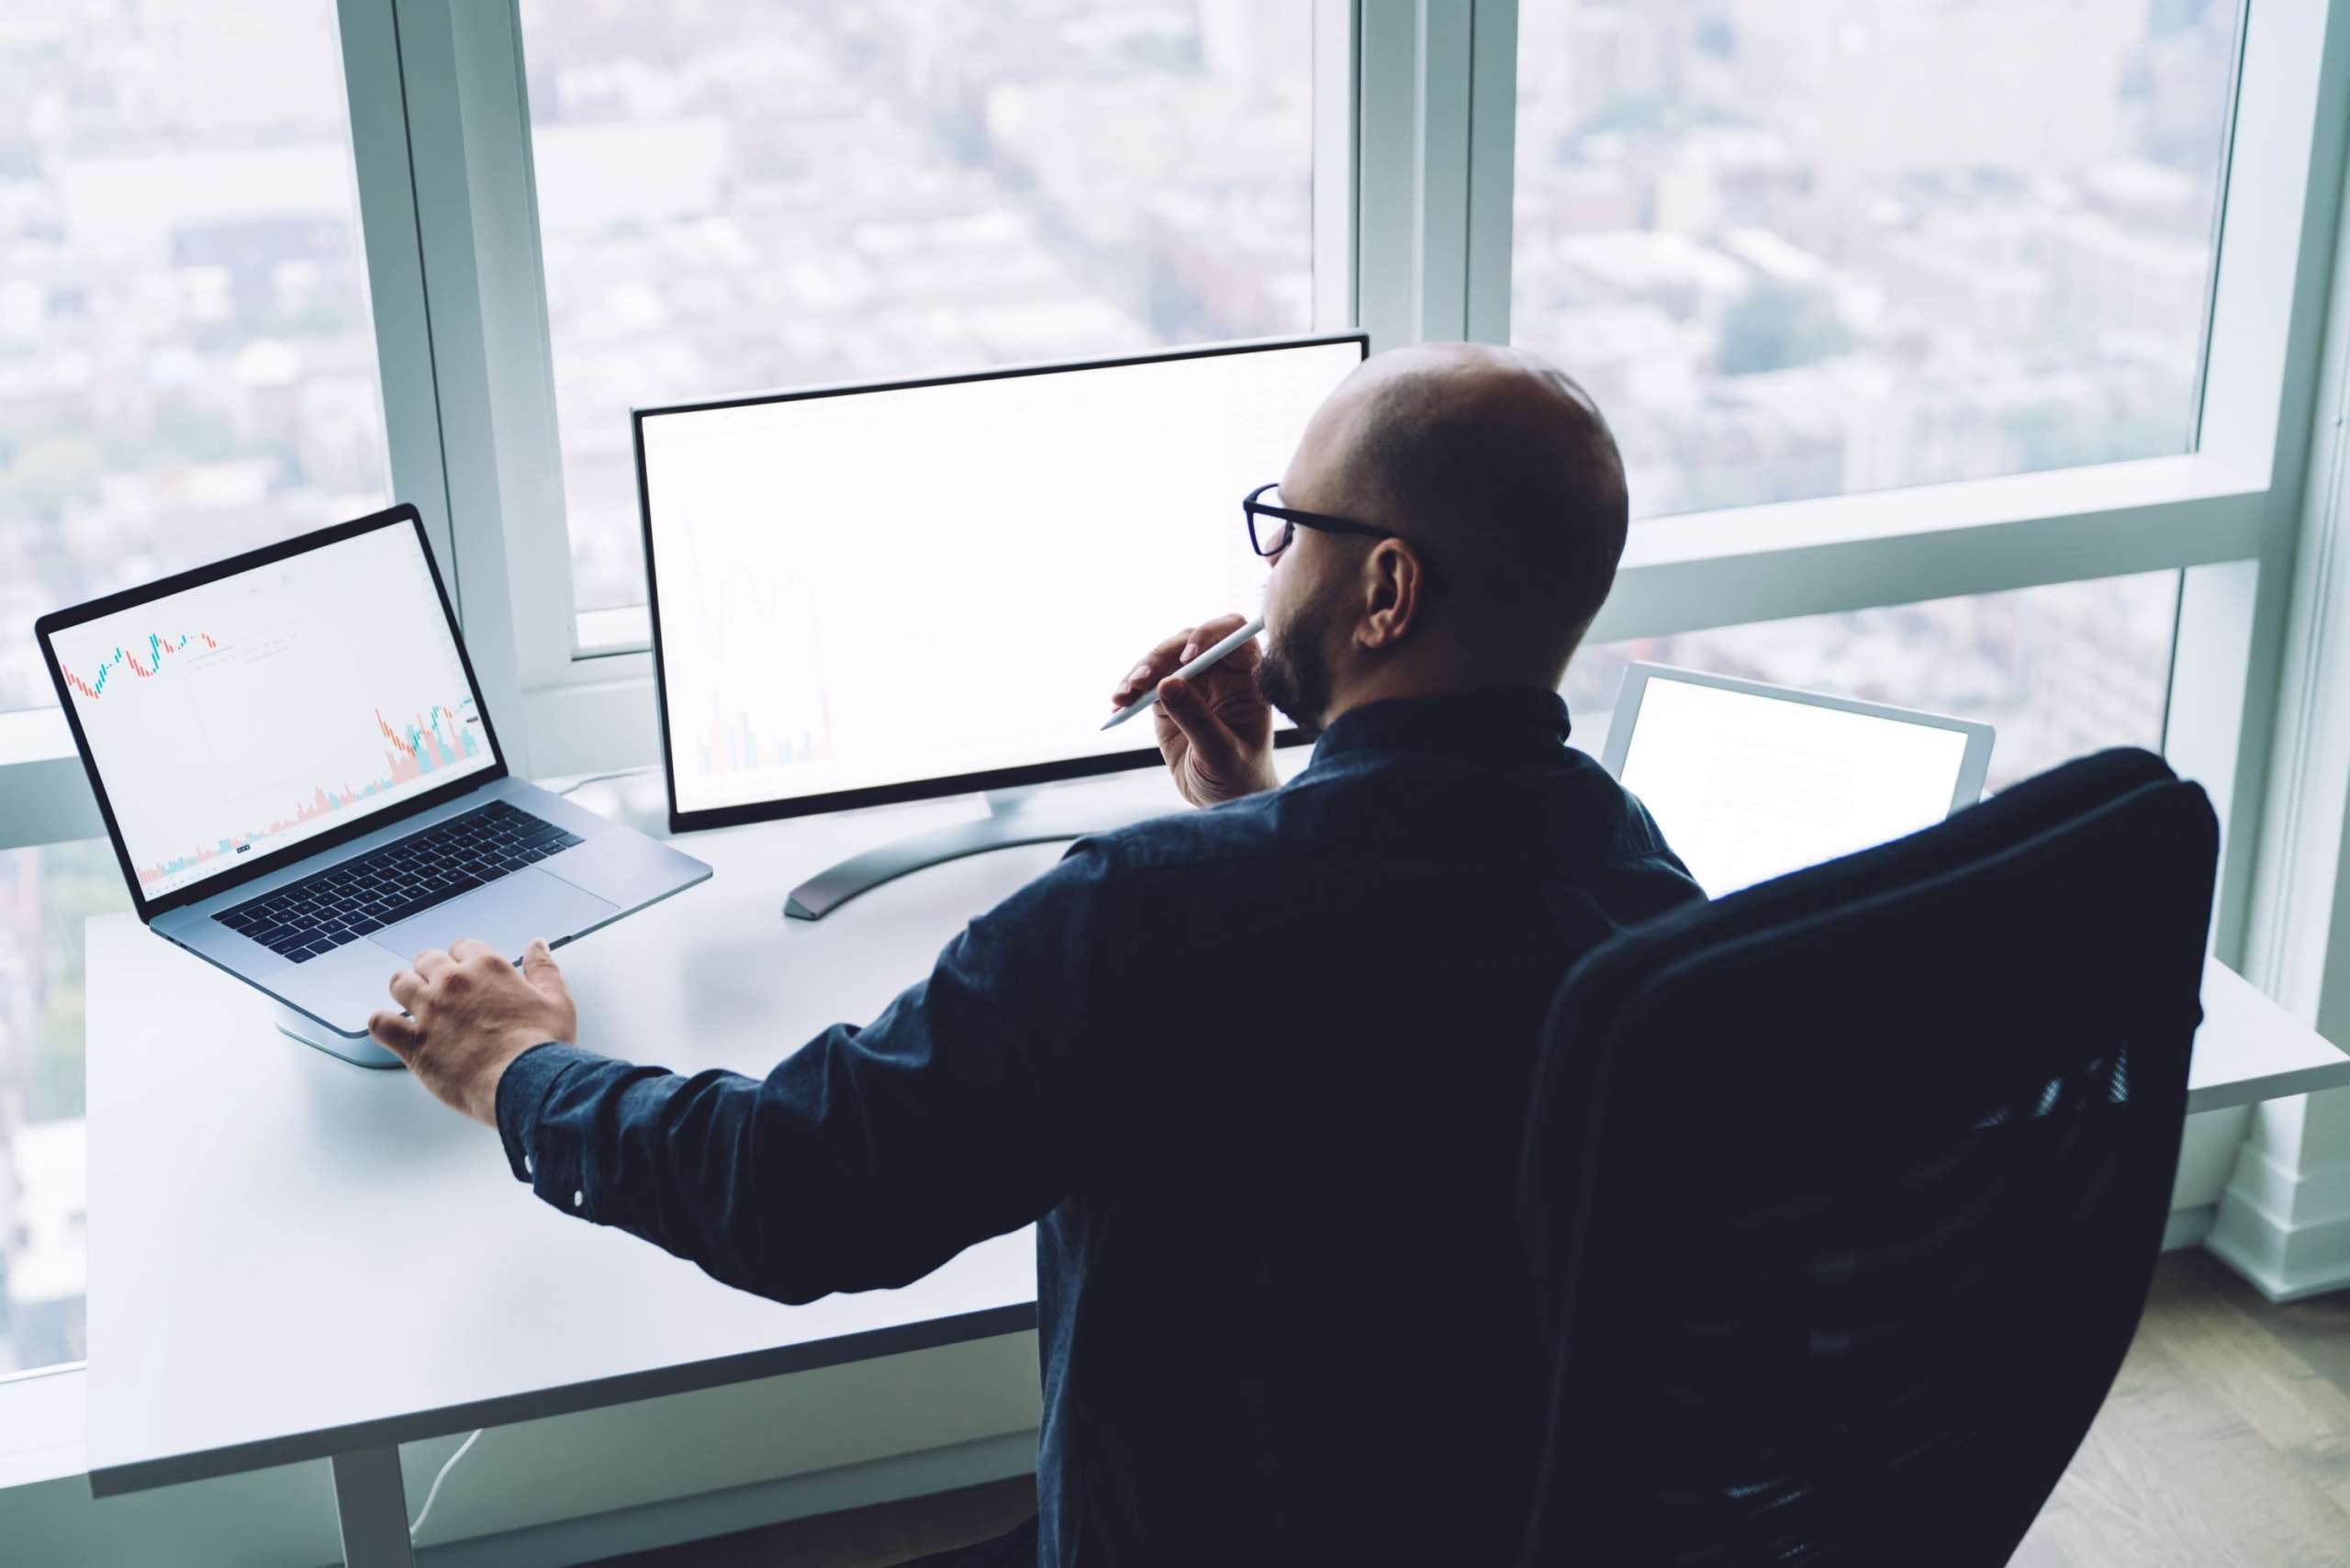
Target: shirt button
[
  {"x": 578, "y": 1199},
  {"x": 528, "y": 1169}
]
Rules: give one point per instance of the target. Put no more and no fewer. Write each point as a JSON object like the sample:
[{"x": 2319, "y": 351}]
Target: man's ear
[{"x": 1395, "y": 586}]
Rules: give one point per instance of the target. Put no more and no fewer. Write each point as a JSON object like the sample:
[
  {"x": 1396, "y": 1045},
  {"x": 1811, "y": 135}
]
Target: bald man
[{"x": 1257, "y": 1071}]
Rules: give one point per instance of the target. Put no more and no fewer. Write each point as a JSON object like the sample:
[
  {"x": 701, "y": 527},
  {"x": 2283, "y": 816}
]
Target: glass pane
[
  {"x": 187, "y": 363},
  {"x": 45, "y": 895},
  {"x": 1809, "y": 247},
  {"x": 769, "y": 193},
  {"x": 2058, "y": 671}
]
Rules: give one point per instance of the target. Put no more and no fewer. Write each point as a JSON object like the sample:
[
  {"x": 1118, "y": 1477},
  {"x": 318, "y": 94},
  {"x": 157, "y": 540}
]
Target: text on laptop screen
[
  {"x": 1748, "y": 787},
  {"x": 234, "y": 719},
  {"x": 913, "y": 583}
]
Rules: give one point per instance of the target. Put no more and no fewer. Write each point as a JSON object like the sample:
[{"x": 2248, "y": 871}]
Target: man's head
[{"x": 1501, "y": 484}]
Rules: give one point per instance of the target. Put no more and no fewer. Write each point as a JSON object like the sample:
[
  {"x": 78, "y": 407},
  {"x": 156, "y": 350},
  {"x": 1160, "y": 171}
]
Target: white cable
[
  {"x": 601, "y": 778},
  {"x": 418, "y": 1523}
]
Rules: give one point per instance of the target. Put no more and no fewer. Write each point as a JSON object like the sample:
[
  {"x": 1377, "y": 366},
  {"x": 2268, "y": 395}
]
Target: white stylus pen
[{"x": 1187, "y": 672}]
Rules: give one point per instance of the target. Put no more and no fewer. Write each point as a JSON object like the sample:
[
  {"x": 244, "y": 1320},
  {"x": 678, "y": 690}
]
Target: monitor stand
[
  {"x": 359, "y": 1050},
  {"x": 1015, "y": 817}
]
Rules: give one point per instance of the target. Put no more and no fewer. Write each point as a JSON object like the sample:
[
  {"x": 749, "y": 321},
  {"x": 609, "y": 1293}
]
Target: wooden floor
[{"x": 2226, "y": 1444}]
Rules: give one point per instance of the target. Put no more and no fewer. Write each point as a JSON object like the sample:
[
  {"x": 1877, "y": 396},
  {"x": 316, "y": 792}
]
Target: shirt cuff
[{"x": 522, "y": 1092}]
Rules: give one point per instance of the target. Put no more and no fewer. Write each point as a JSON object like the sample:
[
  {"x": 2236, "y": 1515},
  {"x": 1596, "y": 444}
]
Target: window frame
[{"x": 1418, "y": 202}]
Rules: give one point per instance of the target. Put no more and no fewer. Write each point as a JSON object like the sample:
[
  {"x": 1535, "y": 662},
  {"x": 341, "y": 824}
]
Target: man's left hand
[{"x": 470, "y": 1013}]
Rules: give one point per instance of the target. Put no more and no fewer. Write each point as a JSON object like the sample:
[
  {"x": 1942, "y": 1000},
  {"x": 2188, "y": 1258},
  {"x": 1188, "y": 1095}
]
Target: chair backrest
[{"x": 1844, "y": 1193}]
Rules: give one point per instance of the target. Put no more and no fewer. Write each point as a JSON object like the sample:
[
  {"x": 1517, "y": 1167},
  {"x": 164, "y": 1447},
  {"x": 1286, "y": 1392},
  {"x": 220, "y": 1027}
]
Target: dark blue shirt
[{"x": 1258, "y": 1073}]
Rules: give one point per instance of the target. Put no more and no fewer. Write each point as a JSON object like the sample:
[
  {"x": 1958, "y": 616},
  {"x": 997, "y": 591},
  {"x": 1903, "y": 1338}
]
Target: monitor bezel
[
  {"x": 57, "y": 620},
  {"x": 1974, "y": 764},
  {"x": 944, "y": 784}
]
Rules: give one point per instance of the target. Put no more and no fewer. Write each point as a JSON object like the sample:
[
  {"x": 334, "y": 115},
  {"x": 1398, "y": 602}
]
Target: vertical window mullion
[
  {"x": 386, "y": 195},
  {"x": 469, "y": 149},
  {"x": 1412, "y": 172},
  {"x": 1492, "y": 168},
  {"x": 1337, "y": 119}
]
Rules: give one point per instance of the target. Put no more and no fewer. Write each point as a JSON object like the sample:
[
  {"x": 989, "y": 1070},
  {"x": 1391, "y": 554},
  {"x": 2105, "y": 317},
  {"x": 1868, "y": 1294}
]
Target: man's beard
[{"x": 1295, "y": 675}]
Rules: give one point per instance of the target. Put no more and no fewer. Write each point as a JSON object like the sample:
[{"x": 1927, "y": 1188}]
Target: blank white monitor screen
[
  {"x": 1748, "y": 786},
  {"x": 886, "y": 587}
]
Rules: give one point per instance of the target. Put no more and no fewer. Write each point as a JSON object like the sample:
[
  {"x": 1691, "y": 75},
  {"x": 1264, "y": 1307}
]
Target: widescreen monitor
[{"x": 874, "y": 593}]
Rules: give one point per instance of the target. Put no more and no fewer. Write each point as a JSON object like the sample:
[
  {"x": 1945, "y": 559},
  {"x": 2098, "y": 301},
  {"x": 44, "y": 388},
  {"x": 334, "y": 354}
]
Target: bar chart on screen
[
  {"x": 430, "y": 742},
  {"x": 734, "y": 742},
  {"x": 761, "y": 657},
  {"x": 276, "y": 703}
]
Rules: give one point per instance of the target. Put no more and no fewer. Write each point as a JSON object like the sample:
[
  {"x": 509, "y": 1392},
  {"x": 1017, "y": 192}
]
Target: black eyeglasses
[{"x": 1269, "y": 523}]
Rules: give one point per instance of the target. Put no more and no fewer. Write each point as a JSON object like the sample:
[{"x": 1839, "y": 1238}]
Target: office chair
[{"x": 1844, "y": 1193}]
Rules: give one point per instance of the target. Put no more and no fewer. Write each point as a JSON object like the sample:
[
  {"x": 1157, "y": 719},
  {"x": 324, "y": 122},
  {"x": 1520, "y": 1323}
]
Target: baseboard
[
  {"x": 2284, "y": 1261},
  {"x": 2319, "y": 1196},
  {"x": 564, "y": 1543},
  {"x": 2187, "y": 1227}
]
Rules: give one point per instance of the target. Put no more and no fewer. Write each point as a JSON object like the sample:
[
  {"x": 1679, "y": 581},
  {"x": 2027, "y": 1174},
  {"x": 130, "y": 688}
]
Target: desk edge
[
  {"x": 626, "y": 1388},
  {"x": 2307, "y": 1080}
]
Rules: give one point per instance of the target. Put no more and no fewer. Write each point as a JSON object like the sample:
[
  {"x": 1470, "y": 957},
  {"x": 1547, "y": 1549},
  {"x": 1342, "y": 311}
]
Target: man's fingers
[
  {"x": 431, "y": 962},
  {"x": 466, "y": 947},
  {"x": 539, "y": 968},
  {"x": 394, "y": 1032},
  {"x": 1208, "y": 633},
  {"x": 1169, "y": 653},
  {"x": 1211, "y": 743},
  {"x": 408, "y": 988},
  {"x": 1164, "y": 655},
  {"x": 1170, "y": 733},
  {"x": 1236, "y": 669}
]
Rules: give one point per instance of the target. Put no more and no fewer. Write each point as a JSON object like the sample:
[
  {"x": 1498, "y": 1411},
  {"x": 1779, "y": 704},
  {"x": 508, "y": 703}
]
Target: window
[
  {"x": 2058, "y": 671},
  {"x": 187, "y": 361},
  {"x": 1802, "y": 248},
  {"x": 45, "y": 895},
  {"x": 747, "y": 196}
]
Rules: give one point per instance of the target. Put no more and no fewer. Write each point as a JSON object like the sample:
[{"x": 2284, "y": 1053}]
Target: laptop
[
  {"x": 303, "y": 784},
  {"x": 1751, "y": 781}
]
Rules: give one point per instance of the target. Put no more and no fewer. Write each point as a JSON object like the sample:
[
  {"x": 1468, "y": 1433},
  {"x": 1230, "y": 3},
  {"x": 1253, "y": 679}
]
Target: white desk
[
  {"x": 292, "y": 1257},
  {"x": 2251, "y": 1049}
]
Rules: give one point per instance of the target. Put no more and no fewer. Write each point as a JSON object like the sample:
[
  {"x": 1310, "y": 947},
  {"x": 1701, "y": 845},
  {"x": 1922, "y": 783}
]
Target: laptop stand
[{"x": 359, "y": 1050}]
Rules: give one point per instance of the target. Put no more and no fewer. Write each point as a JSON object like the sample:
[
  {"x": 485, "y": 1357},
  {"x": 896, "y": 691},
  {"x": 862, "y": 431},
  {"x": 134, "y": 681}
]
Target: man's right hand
[{"x": 1217, "y": 732}]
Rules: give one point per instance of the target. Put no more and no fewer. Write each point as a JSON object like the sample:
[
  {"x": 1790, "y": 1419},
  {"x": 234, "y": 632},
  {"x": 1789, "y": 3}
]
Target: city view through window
[
  {"x": 187, "y": 363},
  {"x": 1797, "y": 248},
  {"x": 742, "y": 196},
  {"x": 187, "y": 368},
  {"x": 1801, "y": 248},
  {"x": 1805, "y": 248}
]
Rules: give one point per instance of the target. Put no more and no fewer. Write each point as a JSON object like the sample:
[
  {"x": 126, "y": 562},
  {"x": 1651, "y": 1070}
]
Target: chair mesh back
[{"x": 1874, "y": 1172}]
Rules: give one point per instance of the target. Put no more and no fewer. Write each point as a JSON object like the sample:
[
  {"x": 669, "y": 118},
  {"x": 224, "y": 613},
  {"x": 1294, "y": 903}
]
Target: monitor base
[
  {"x": 359, "y": 1050},
  {"x": 1015, "y": 817}
]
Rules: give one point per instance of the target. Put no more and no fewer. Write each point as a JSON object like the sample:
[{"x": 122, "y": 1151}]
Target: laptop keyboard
[{"x": 345, "y": 902}]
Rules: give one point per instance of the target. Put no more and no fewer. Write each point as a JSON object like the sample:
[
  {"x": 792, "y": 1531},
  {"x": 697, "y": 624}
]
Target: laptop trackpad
[{"x": 506, "y": 914}]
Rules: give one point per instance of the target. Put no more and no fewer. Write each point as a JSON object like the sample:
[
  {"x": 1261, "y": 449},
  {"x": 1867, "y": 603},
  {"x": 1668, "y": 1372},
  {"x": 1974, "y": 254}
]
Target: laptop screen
[
  {"x": 240, "y": 716},
  {"x": 1748, "y": 785}
]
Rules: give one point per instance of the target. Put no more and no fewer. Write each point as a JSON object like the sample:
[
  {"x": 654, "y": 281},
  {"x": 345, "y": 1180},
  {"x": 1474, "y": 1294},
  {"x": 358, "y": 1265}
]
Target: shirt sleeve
[{"x": 869, "y": 1156}]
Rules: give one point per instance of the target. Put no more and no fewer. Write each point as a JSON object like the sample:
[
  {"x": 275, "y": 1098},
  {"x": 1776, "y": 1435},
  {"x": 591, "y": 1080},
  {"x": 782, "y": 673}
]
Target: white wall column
[{"x": 2284, "y": 1220}]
